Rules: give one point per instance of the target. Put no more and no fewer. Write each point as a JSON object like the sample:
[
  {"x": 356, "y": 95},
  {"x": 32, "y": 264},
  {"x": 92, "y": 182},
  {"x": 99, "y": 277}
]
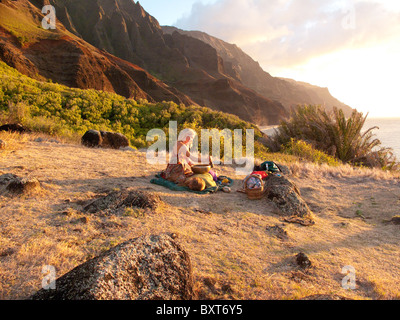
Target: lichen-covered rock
[
  {"x": 286, "y": 196},
  {"x": 151, "y": 267},
  {"x": 285, "y": 169},
  {"x": 116, "y": 201},
  {"x": 15, "y": 185}
]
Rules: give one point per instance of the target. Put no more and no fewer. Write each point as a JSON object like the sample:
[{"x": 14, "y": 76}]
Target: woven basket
[{"x": 257, "y": 193}]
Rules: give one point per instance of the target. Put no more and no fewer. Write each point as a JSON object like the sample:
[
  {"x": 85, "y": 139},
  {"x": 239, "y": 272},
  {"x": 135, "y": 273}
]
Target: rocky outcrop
[
  {"x": 104, "y": 139},
  {"x": 286, "y": 197},
  {"x": 151, "y": 267},
  {"x": 117, "y": 201}
]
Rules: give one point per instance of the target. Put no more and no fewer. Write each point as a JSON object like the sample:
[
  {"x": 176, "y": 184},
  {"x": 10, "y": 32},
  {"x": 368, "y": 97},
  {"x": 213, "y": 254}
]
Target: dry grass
[{"x": 232, "y": 253}]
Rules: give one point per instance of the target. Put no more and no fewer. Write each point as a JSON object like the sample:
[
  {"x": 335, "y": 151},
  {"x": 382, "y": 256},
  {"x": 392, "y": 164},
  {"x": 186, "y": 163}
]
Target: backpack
[{"x": 270, "y": 166}]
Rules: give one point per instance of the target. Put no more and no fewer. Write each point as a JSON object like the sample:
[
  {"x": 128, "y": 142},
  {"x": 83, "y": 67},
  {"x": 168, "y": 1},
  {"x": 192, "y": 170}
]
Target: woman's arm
[{"x": 197, "y": 159}]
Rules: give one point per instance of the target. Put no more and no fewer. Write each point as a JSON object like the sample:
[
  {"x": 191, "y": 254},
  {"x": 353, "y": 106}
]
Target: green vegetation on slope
[
  {"x": 58, "y": 110},
  {"x": 24, "y": 27}
]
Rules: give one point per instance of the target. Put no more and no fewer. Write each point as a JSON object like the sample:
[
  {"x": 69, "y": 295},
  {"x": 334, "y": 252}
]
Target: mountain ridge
[
  {"x": 64, "y": 58},
  {"x": 117, "y": 46},
  {"x": 244, "y": 68},
  {"x": 123, "y": 28}
]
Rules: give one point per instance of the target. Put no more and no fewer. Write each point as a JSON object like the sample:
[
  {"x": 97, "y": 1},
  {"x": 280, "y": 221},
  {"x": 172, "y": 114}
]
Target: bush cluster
[
  {"x": 344, "y": 138},
  {"x": 59, "y": 110}
]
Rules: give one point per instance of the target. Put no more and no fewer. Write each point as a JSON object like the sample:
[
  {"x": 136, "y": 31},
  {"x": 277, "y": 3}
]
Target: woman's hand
[{"x": 211, "y": 162}]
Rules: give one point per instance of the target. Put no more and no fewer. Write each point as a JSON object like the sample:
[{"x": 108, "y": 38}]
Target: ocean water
[{"x": 388, "y": 133}]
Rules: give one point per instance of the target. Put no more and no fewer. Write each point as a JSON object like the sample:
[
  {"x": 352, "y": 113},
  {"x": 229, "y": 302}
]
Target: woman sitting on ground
[{"x": 179, "y": 169}]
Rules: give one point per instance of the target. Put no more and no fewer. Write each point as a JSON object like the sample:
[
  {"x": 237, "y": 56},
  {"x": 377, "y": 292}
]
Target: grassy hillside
[{"x": 24, "y": 27}]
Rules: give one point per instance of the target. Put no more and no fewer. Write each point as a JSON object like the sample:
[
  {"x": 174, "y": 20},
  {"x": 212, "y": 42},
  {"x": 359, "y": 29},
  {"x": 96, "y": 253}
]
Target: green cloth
[{"x": 173, "y": 186}]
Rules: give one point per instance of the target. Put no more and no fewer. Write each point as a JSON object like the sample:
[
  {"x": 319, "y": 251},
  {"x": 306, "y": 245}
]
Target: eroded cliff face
[
  {"x": 65, "y": 58},
  {"x": 242, "y": 67}
]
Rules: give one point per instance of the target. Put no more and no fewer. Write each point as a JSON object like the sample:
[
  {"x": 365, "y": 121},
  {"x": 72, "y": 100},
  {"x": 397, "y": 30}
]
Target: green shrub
[
  {"x": 306, "y": 151},
  {"x": 335, "y": 135},
  {"x": 58, "y": 110}
]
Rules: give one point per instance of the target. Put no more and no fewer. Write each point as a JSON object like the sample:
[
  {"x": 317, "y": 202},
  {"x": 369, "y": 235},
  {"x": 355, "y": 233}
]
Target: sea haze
[{"x": 388, "y": 132}]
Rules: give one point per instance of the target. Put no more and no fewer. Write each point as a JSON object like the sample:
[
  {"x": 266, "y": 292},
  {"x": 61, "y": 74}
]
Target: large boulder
[
  {"x": 14, "y": 127},
  {"x": 151, "y": 267},
  {"x": 114, "y": 140},
  {"x": 286, "y": 196},
  {"x": 104, "y": 139},
  {"x": 92, "y": 139}
]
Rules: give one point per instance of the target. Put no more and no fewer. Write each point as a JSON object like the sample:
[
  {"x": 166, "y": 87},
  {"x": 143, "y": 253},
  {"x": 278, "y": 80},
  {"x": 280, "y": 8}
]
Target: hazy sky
[{"x": 350, "y": 46}]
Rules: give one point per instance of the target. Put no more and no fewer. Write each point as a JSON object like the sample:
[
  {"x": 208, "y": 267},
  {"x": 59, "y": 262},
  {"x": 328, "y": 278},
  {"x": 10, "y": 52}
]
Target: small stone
[
  {"x": 20, "y": 186},
  {"x": 227, "y": 288},
  {"x": 3, "y": 145},
  {"x": 396, "y": 220},
  {"x": 67, "y": 213},
  {"x": 84, "y": 220},
  {"x": 6, "y": 252},
  {"x": 303, "y": 261},
  {"x": 174, "y": 236},
  {"x": 210, "y": 282},
  {"x": 278, "y": 231}
]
